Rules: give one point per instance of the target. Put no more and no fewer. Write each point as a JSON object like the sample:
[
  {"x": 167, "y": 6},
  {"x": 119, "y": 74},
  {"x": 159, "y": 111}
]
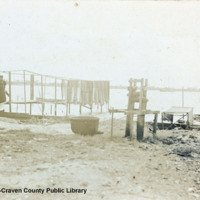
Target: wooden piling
[
  {"x": 129, "y": 117},
  {"x": 142, "y": 106},
  {"x": 10, "y": 93},
  {"x": 140, "y": 127},
  {"x": 155, "y": 125}
]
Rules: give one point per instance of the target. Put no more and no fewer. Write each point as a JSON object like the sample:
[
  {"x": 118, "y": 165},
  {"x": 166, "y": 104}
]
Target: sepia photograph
[{"x": 99, "y": 100}]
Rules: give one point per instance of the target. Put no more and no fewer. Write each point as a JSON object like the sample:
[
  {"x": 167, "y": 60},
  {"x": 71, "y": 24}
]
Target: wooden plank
[
  {"x": 27, "y": 116},
  {"x": 14, "y": 115},
  {"x": 23, "y": 102},
  {"x": 58, "y": 101},
  {"x": 143, "y": 112},
  {"x": 136, "y": 112}
]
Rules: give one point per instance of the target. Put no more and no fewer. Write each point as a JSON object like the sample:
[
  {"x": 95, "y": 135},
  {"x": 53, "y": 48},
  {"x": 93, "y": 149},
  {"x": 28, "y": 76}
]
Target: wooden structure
[
  {"x": 63, "y": 92},
  {"x": 137, "y": 103},
  {"x": 181, "y": 113}
]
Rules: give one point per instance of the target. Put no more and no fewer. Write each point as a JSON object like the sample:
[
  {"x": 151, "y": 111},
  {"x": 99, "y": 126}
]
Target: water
[{"x": 160, "y": 101}]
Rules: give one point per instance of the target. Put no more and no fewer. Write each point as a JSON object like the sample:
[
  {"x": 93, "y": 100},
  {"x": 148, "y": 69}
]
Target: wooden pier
[{"x": 77, "y": 92}]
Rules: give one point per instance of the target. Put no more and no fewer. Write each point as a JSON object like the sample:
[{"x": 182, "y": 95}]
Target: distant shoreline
[
  {"x": 162, "y": 89},
  {"x": 124, "y": 87}
]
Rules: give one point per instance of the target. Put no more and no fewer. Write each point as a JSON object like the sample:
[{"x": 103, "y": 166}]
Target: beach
[{"x": 45, "y": 154}]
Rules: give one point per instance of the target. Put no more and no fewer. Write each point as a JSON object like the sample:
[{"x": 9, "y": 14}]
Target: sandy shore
[{"x": 46, "y": 154}]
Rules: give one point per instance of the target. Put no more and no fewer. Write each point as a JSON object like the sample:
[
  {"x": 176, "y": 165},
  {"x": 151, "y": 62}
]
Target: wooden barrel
[{"x": 85, "y": 125}]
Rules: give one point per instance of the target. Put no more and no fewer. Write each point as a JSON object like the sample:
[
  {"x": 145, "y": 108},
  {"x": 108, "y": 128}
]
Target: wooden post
[
  {"x": 51, "y": 110},
  {"x": 182, "y": 97},
  {"x": 65, "y": 94},
  {"x": 140, "y": 127},
  {"x": 129, "y": 117},
  {"x": 31, "y": 91},
  {"x": 141, "y": 94},
  {"x": 30, "y": 108},
  {"x": 142, "y": 106},
  {"x": 42, "y": 95},
  {"x": 155, "y": 125},
  {"x": 66, "y": 104},
  {"x": 131, "y": 125},
  {"x": 112, "y": 123},
  {"x": 91, "y": 109},
  {"x": 17, "y": 104},
  {"x": 25, "y": 90},
  {"x": 31, "y": 87},
  {"x": 80, "y": 109},
  {"x": 10, "y": 94},
  {"x": 162, "y": 115},
  {"x": 55, "y": 96}
]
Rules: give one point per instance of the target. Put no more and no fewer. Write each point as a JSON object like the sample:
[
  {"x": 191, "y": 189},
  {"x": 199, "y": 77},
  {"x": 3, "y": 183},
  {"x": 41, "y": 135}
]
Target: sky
[{"x": 103, "y": 40}]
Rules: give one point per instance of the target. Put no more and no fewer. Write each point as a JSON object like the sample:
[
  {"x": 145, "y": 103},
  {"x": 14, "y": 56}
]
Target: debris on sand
[{"x": 186, "y": 151}]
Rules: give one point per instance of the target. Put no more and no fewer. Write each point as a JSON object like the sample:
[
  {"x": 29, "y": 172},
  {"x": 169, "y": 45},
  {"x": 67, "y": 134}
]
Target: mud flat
[{"x": 46, "y": 154}]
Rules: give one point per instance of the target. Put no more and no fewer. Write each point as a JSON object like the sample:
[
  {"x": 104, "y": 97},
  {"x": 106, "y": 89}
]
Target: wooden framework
[
  {"x": 42, "y": 100},
  {"x": 137, "y": 94}
]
